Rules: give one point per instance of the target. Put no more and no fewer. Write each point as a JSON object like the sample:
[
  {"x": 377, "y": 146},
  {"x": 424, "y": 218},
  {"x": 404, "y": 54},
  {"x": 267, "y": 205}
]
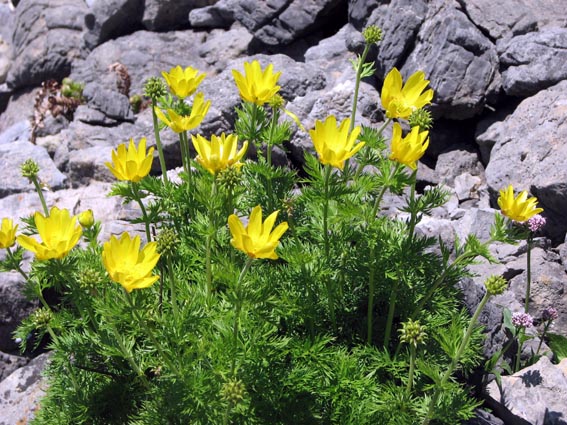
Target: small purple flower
[
  {"x": 550, "y": 314},
  {"x": 536, "y": 223},
  {"x": 522, "y": 320}
]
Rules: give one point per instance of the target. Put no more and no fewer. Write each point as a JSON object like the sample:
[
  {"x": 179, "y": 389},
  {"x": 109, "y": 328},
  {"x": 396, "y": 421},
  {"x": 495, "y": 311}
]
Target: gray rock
[
  {"x": 477, "y": 221},
  {"x": 46, "y": 40},
  {"x": 19, "y": 108},
  {"x": 536, "y": 395},
  {"x": 6, "y": 21},
  {"x": 484, "y": 418},
  {"x": 360, "y": 10},
  {"x": 218, "y": 15},
  {"x": 529, "y": 150},
  {"x": 107, "y": 19},
  {"x": 113, "y": 104},
  {"x": 222, "y": 46},
  {"x": 457, "y": 58},
  {"x": 400, "y": 22},
  {"x": 533, "y": 62},
  {"x": 167, "y": 15},
  {"x": 459, "y": 160},
  {"x": 5, "y": 60},
  {"x": 280, "y": 22},
  {"x": 144, "y": 54},
  {"x": 467, "y": 186},
  {"x": 9, "y": 363},
  {"x": 12, "y": 155},
  {"x": 14, "y": 306},
  {"x": 22, "y": 391},
  {"x": 20, "y": 131}
]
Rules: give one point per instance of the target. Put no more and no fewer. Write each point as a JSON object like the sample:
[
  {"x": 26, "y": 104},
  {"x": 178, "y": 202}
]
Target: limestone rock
[
  {"x": 457, "y": 58},
  {"x": 530, "y": 147},
  {"x": 536, "y": 395},
  {"x": 13, "y": 305},
  {"x": 534, "y": 61},
  {"x": 12, "y": 155},
  {"x": 45, "y": 40},
  {"x": 167, "y": 15},
  {"x": 9, "y": 363},
  {"x": 22, "y": 391},
  {"x": 107, "y": 19}
]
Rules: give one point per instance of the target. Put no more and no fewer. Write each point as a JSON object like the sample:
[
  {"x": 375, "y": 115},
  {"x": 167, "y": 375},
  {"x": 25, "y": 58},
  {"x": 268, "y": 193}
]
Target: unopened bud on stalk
[
  {"x": 495, "y": 285},
  {"x": 372, "y": 34},
  {"x": 421, "y": 118},
  {"x": 155, "y": 88},
  {"x": 167, "y": 241},
  {"x": 30, "y": 169},
  {"x": 233, "y": 391},
  {"x": 412, "y": 333},
  {"x": 86, "y": 218}
]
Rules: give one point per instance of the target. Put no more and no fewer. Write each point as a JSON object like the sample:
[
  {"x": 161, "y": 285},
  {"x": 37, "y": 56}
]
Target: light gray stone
[
  {"x": 12, "y": 155},
  {"x": 9, "y": 363},
  {"x": 529, "y": 150},
  {"x": 536, "y": 395},
  {"x": 167, "y": 15},
  {"x": 22, "y": 391}
]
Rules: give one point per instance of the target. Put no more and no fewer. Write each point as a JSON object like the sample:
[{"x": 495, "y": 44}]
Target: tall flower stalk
[{"x": 30, "y": 170}]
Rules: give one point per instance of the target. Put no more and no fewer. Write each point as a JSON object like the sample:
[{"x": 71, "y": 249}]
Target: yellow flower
[
  {"x": 183, "y": 82},
  {"x": 219, "y": 153},
  {"x": 408, "y": 150},
  {"x": 257, "y": 240},
  {"x": 127, "y": 265},
  {"x": 7, "y": 233},
  {"x": 400, "y": 102},
  {"x": 255, "y": 85},
  {"x": 520, "y": 208},
  {"x": 334, "y": 144},
  {"x": 86, "y": 218},
  {"x": 180, "y": 123},
  {"x": 132, "y": 164},
  {"x": 59, "y": 233}
]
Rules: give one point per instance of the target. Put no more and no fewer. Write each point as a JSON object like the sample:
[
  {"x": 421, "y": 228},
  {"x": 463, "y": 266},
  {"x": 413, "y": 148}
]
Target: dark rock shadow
[{"x": 532, "y": 378}]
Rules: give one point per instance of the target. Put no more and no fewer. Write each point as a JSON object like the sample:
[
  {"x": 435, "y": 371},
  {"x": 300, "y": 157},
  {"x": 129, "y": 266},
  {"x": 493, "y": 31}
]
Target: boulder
[
  {"x": 21, "y": 392},
  {"x": 9, "y": 363},
  {"x": 529, "y": 150},
  {"x": 218, "y": 15},
  {"x": 46, "y": 40},
  {"x": 12, "y": 155},
  {"x": 14, "y": 306},
  {"x": 533, "y": 62},
  {"x": 457, "y": 58},
  {"x": 536, "y": 395},
  {"x": 106, "y": 20},
  {"x": 167, "y": 15}
]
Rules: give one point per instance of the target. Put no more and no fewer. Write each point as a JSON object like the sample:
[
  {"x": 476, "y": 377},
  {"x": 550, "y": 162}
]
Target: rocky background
[{"x": 500, "y": 80}]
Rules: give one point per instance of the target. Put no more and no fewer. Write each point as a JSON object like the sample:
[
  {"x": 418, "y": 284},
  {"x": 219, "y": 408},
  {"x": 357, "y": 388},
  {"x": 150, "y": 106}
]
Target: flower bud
[
  {"x": 421, "y": 118},
  {"x": 229, "y": 177},
  {"x": 41, "y": 318},
  {"x": 536, "y": 223},
  {"x": 86, "y": 218},
  {"x": 155, "y": 88},
  {"x": 372, "y": 34},
  {"x": 276, "y": 102},
  {"x": 550, "y": 314},
  {"x": 412, "y": 333},
  {"x": 233, "y": 391},
  {"x": 30, "y": 169},
  {"x": 495, "y": 285},
  {"x": 167, "y": 241}
]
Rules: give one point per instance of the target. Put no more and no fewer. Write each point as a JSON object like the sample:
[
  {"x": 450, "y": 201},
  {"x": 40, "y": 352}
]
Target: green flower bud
[
  {"x": 41, "y": 318},
  {"x": 66, "y": 81},
  {"x": 155, "y": 88},
  {"x": 372, "y": 34},
  {"x": 229, "y": 177},
  {"x": 233, "y": 391},
  {"x": 30, "y": 169},
  {"x": 412, "y": 333},
  {"x": 90, "y": 279},
  {"x": 421, "y": 118},
  {"x": 495, "y": 285},
  {"x": 167, "y": 241},
  {"x": 86, "y": 218},
  {"x": 276, "y": 102}
]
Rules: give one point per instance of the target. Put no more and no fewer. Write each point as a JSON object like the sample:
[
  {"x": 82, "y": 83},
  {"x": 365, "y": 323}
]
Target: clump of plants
[{"x": 253, "y": 294}]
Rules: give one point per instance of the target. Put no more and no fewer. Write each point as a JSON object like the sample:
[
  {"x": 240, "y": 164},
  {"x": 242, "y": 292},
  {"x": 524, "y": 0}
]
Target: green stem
[
  {"x": 413, "y": 214},
  {"x": 126, "y": 353},
  {"x": 16, "y": 264},
  {"x": 172, "y": 287},
  {"x": 269, "y": 144},
  {"x": 541, "y": 338},
  {"x": 529, "y": 274},
  {"x": 390, "y": 319},
  {"x": 369, "y": 315},
  {"x": 40, "y": 194},
  {"x": 208, "y": 243},
  {"x": 380, "y": 130},
  {"x": 158, "y": 144},
  {"x": 330, "y": 295},
  {"x": 455, "y": 360},
  {"x": 138, "y": 198},
  {"x": 355, "y": 99},
  {"x": 238, "y": 309},
  {"x": 521, "y": 333},
  {"x": 411, "y": 369},
  {"x": 151, "y": 336}
]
